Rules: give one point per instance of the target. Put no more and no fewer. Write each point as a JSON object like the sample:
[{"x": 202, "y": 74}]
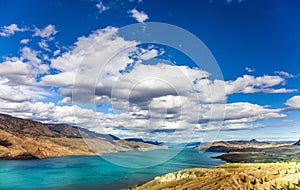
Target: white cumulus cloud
[
  {"x": 250, "y": 70},
  {"x": 101, "y": 7},
  {"x": 24, "y": 41},
  {"x": 249, "y": 84},
  {"x": 9, "y": 30},
  {"x": 46, "y": 32},
  {"x": 139, "y": 16},
  {"x": 106, "y": 69},
  {"x": 294, "y": 102},
  {"x": 285, "y": 74}
]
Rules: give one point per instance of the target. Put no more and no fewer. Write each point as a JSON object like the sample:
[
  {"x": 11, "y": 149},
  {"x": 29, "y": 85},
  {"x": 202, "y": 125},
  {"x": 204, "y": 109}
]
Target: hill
[
  {"x": 27, "y": 139},
  {"x": 230, "y": 146},
  {"x": 229, "y": 176},
  {"x": 297, "y": 143},
  {"x": 254, "y": 151}
]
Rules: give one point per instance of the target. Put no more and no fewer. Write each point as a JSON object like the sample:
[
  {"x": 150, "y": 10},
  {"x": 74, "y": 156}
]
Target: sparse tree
[
  {"x": 266, "y": 179},
  {"x": 244, "y": 179},
  {"x": 254, "y": 182},
  {"x": 261, "y": 181}
]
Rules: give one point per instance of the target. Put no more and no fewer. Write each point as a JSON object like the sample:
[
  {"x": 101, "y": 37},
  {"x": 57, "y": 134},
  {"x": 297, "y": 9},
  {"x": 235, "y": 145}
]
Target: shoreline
[{"x": 31, "y": 157}]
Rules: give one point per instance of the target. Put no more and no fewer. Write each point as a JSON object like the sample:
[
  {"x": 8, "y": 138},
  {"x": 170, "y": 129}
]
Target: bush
[
  {"x": 244, "y": 179},
  {"x": 266, "y": 179},
  {"x": 254, "y": 182}
]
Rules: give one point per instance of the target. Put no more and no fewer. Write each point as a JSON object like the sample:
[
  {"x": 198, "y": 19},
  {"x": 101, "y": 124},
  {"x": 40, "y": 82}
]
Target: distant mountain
[
  {"x": 27, "y": 139},
  {"x": 193, "y": 144},
  {"x": 34, "y": 128},
  {"x": 253, "y": 141},
  {"x": 77, "y": 132},
  {"x": 254, "y": 151},
  {"x": 230, "y": 146},
  {"x": 186, "y": 145},
  {"x": 141, "y": 140}
]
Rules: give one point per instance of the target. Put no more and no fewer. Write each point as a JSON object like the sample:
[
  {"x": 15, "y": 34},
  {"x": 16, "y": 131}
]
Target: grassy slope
[
  {"x": 27, "y": 139},
  {"x": 19, "y": 146},
  {"x": 40, "y": 147},
  {"x": 229, "y": 176}
]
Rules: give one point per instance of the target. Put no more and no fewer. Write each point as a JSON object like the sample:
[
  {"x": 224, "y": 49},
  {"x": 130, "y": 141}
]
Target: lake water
[{"x": 94, "y": 172}]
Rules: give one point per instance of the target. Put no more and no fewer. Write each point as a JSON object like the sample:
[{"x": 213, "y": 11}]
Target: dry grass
[{"x": 230, "y": 176}]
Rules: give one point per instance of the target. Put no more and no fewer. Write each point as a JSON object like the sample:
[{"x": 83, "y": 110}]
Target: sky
[{"x": 176, "y": 71}]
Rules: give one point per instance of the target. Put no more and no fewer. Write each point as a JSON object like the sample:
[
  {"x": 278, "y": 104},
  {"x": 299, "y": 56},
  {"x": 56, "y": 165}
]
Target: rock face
[
  {"x": 175, "y": 177},
  {"x": 34, "y": 128},
  {"x": 141, "y": 140},
  {"x": 26, "y": 139},
  {"x": 297, "y": 143},
  {"x": 229, "y": 176}
]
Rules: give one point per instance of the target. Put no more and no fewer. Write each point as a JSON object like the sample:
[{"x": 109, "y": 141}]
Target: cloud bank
[{"x": 114, "y": 90}]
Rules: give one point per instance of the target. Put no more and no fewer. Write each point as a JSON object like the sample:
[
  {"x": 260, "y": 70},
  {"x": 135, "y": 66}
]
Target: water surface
[{"x": 94, "y": 172}]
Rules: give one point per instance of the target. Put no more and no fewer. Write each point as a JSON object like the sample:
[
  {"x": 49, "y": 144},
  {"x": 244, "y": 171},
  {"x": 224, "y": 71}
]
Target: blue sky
[{"x": 255, "y": 43}]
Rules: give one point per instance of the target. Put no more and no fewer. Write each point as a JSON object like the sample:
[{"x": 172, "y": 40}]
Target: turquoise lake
[{"x": 95, "y": 172}]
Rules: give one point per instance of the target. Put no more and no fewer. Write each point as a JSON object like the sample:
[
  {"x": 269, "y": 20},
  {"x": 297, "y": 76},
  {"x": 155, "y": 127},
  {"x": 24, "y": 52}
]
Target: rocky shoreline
[{"x": 19, "y": 157}]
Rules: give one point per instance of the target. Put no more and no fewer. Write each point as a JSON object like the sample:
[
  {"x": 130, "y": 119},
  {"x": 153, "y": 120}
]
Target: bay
[{"x": 96, "y": 172}]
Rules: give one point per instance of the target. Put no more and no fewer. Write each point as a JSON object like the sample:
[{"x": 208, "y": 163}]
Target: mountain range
[{"x": 28, "y": 139}]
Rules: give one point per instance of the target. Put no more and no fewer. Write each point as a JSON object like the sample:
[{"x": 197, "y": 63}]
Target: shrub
[
  {"x": 254, "y": 182},
  {"x": 266, "y": 179},
  {"x": 244, "y": 179}
]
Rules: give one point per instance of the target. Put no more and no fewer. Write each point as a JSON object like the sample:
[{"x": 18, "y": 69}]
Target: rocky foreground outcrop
[
  {"x": 27, "y": 139},
  {"x": 229, "y": 176}
]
